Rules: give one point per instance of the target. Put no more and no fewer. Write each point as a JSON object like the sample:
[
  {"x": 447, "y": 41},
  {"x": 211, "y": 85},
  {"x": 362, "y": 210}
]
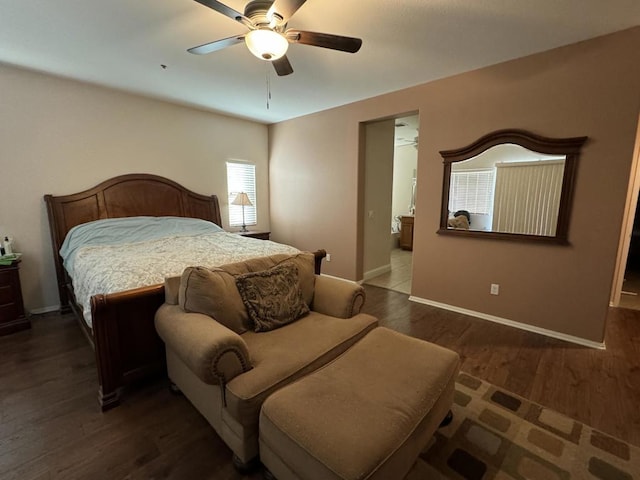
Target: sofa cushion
[
  {"x": 283, "y": 355},
  {"x": 272, "y": 297},
  {"x": 213, "y": 292}
]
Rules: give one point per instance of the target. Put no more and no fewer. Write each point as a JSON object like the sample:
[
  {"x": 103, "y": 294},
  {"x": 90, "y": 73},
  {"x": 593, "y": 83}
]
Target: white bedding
[{"x": 114, "y": 268}]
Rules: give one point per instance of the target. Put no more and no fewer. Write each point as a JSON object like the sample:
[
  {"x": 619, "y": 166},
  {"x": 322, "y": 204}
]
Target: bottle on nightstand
[{"x": 8, "y": 245}]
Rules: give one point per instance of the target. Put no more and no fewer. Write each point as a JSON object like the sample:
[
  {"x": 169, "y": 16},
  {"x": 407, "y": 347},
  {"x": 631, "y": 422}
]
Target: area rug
[{"x": 498, "y": 435}]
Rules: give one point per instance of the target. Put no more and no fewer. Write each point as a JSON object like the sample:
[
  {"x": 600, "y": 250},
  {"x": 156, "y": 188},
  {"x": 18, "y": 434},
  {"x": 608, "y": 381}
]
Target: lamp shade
[
  {"x": 242, "y": 199},
  {"x": 266, "y": 44}
]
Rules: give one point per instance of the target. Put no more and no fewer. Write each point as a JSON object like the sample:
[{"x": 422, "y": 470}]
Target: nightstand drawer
[
  {"x": 7, "y": 294},
  {"x": 6, "y": 276},
  {"x": 9, "y": 312},
  {"x": 12, "y": 317}
]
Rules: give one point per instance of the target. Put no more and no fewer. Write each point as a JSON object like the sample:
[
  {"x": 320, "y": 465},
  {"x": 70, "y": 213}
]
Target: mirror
[{"x": 510, "y": 184}]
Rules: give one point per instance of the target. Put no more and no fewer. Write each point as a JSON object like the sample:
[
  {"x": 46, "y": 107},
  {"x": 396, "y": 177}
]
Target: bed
[{"x": 119, "y": 324}]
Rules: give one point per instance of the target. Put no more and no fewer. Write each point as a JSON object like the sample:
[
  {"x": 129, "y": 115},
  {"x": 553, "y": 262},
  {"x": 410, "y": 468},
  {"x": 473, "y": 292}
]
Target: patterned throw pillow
[{"x": 272, "y": 297}]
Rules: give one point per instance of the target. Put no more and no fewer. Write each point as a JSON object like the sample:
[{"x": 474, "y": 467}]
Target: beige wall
[
  {"x": 59, "y": 136},
  {"x": 590, "y": 88}
]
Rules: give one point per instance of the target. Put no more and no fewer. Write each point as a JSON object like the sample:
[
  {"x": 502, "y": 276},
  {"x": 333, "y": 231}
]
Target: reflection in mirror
[
  {"x": 510, "y": 184},
  {"x": 507, "y": 188}
]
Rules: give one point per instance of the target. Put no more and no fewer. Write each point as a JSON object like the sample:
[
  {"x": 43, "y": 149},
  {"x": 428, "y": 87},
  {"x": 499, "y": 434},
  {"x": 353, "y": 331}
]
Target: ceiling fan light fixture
[{"x": 266, "y": 44}]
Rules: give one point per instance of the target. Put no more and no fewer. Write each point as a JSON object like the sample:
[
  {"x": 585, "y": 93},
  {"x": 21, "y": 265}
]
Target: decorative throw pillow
[
  {"x": 305, "y": 261},
  {"x": 460, "y": 222},
  {"x": 272, "y": 297}
]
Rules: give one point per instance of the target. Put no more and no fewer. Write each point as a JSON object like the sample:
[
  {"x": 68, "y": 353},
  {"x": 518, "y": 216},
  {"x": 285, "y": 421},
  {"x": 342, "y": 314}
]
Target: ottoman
[{"x": 366, "y": 415}]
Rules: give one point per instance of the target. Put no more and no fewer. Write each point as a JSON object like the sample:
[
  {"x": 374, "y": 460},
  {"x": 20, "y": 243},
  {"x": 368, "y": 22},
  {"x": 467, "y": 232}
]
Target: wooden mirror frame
[{"x": 570, "y": 147}]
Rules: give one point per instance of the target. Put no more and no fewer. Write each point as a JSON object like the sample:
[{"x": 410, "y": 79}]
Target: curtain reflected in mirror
[{"x": 510, "y": 184}]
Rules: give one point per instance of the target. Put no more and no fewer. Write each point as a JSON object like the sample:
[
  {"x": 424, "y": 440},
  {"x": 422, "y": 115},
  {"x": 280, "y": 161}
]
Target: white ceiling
[{"x": 123, "y": 43}]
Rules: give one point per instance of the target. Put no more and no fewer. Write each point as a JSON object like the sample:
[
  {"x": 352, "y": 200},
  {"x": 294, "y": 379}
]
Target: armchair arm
[
  {"x": 213, "y": 352},
  {"x": 337, "y": 298}
]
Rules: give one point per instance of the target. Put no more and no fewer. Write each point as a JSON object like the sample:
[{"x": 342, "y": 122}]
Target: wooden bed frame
[{"x": 126, "y": 344}]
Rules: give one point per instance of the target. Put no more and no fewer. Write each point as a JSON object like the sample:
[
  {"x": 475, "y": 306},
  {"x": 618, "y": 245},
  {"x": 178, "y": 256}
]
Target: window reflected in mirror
[{"x": 510, "y": 184}]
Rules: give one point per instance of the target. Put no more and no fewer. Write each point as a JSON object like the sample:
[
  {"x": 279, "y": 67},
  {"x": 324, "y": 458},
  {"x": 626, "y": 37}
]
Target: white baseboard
[
  {"x": 511, "y": 323},
  {"x": 376, "y": 271},
  {"x": 38, "y": 311},
  {"x": 340, "y": 278}
]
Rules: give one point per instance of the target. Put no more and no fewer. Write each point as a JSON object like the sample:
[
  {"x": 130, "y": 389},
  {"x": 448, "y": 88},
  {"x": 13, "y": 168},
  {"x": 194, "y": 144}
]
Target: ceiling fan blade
[
  {"x": 228, "y": 11},
  {"x": 217, "y": 45},
  {"x": 282, "y": 66},
  {"x": 284, "y": 9},
  {"x": 325, "y": 40}
]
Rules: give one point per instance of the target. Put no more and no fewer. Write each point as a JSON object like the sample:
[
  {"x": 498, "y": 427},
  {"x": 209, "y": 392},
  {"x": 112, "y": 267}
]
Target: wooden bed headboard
[{"x": 137, "y": 194}]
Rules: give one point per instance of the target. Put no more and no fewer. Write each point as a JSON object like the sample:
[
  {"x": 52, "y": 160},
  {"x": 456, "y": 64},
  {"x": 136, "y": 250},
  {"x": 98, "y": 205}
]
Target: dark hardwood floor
[{"x": 51, "y": 426}]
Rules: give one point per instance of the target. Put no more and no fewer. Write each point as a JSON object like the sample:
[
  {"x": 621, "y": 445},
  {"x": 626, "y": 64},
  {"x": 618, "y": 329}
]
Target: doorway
[
  {"x": 395, "y": 274},
  {"x": 630, "y": 294},
  {"x": 626, "y": 282}
]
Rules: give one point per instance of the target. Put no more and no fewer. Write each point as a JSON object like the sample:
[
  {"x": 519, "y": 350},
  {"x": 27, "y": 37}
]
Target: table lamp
[{"x": 243, "y": 200}]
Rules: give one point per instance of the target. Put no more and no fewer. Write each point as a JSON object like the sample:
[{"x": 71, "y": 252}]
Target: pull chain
[{"x": 268, "y": 78}]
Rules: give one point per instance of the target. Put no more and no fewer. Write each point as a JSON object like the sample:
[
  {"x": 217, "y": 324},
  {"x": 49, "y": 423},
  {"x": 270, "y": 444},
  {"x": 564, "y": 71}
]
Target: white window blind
[
  {"x": 528, "y": 197},
  {"x": 472, "y": 190},
  {"x": 241, "y": 177}
]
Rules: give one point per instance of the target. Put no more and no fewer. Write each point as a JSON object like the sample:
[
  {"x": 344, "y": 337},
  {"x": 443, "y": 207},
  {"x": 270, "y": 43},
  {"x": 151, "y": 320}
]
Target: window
[
  {"x": 472, "y": 190},
  {"x": 241, "y": 177}
]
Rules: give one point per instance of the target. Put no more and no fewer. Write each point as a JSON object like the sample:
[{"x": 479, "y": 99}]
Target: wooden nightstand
[
  {"x": 12, "y": 317},
  {"x": 258, "y": 235},
  {"x": 406, "y": 232}
]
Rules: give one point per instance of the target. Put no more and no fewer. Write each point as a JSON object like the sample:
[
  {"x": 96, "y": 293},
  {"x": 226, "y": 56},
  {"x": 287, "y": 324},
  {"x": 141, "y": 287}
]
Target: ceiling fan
[{"x": 268, "y": 37}]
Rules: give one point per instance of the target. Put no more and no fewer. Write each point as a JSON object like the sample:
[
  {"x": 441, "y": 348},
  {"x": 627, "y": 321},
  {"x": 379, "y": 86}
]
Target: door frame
[{"x": 631, "y": 204}]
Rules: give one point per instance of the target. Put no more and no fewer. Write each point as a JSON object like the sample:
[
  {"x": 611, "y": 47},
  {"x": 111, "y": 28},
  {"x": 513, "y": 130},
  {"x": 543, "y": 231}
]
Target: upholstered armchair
[{"x": 237, "y": 333}]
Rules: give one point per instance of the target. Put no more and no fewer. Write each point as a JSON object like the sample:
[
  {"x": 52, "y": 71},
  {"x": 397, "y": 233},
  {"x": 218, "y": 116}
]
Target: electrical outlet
[
  {"x": 495, "y": 289},
  {"x": 328, "y": 257}
]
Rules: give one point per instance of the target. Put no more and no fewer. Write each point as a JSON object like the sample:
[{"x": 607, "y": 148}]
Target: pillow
[
  {"x": 272, "y": 297},
  {"x": 213, "y": 292},
  {"x": 460, "y": 222},
  {"x": 305, "y": 262}
]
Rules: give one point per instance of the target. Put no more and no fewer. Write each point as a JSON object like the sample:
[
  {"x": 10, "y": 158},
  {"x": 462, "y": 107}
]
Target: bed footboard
[{"x": 126, "y": 344}]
